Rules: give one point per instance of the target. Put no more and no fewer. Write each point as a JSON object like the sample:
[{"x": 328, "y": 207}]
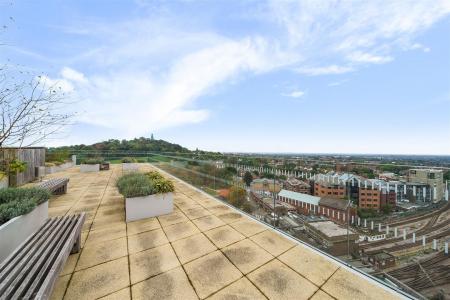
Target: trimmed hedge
[
  {"x": 19, "y": 201},
  {"x": 127, "y": 160},
  {"x": 139, "y": 184},
  {"x": 93, "y": 161}
]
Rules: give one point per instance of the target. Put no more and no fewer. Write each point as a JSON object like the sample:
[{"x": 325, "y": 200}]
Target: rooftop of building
[
  {"x": 330, "y": 229},
  {"x": 334, "y": 203},
  {"x": 299, "y": 197},
  {"x": 204, "y": 249}
]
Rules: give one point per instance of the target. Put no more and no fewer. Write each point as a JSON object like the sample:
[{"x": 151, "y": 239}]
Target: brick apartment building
[
  {"x": 375, "y": 198},
  {"x": 332, "y": 190},
  {"x": 295, "y": 185}
]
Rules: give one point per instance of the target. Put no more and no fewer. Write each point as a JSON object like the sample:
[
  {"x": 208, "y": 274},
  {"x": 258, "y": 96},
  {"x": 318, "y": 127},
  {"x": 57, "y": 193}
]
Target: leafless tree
[{"x": 31, "y": 109}]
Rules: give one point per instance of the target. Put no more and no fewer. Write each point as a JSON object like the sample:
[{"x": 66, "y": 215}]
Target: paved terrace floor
[{"x": 204, "y": 249}]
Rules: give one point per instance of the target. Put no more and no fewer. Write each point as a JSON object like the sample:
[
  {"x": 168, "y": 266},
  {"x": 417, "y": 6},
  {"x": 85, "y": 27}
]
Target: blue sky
[{"x": 256, "y": 76}]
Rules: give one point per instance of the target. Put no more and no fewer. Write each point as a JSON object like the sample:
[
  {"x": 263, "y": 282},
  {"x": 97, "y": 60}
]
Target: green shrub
[
  {"x": 19, "y": 201},
  {"x": 138, "y": 184},
  {"x": 141, "y": 160},
  {"x": 162, "y": 186},
  {"x": 127, "y": 160},
  {"x": 17, "y": 166},
  {"x": 93, "y": 161},
  {"x": 153, "y": 175}
]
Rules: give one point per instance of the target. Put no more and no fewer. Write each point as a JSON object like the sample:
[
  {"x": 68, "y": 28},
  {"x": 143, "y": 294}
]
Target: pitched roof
[{"x": 299, "y": 197}]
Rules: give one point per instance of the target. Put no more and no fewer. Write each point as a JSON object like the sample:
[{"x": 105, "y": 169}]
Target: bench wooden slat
[
  {"x": 46, "y": 287},
  {"x": 11, "y": 260},
  {"x": 16, "y": 265},
  {"x": 31, "y": 271},
  {"x": 55, "y": 185},
  {"x": 26, "y": 265},
  {"x": 39, "y": 270}
]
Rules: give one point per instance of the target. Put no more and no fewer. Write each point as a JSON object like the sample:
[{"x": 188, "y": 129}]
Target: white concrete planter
[
  {"x": 4, "y": 182},
  {"x": 17, "y": 230},
  {"x": 62, "y": 167},
  {"x": 130, "y": 166},
  {"x": 137, "y": 208},
  {"x": 84, "y": 168}
]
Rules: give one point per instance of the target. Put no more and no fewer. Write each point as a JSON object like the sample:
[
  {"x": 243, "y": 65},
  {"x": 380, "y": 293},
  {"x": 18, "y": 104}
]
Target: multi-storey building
[
  {"x": 295, "y": 185},
  {"x": 327, "y": 189},
  {"x": 369, "y": 198},
  {"x": 432, "y": 177}
]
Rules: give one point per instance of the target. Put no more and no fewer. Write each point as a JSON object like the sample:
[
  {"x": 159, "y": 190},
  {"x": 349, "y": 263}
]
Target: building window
[{"x": 431, "y": 176}]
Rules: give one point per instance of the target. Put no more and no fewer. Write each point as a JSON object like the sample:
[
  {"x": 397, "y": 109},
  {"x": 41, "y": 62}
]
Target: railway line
[
  {"x": 430, "y": 232},
  {"x": 420, "y": 275},
  {"x": 430, "y": 227},
  {"x": 421, "y": 217}
]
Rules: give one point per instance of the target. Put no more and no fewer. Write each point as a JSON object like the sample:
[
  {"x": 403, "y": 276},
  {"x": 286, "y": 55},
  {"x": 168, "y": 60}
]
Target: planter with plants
[
  {"x": 57, "y": 166},
  {"x": 129, "y": 164},
  {"x": 146, "y": 195},
  {"x": 91, "y": 165},
  {"x": 22, "y": 212}
]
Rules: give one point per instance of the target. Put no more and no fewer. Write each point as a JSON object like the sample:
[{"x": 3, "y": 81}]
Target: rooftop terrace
[{"x": 204, "y": 249}]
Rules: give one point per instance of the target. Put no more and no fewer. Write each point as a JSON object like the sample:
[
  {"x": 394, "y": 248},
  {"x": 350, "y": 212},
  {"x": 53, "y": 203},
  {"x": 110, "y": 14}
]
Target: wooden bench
[
  {"x": 56, "y": 186},
  {"x": 30, "y": 272}
]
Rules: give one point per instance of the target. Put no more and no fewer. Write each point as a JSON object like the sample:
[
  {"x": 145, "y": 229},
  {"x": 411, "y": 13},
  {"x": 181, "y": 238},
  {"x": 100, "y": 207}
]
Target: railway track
[
  {"x": 419, "y": 217},
  {"x": 424, "y": 274},
  {"x": 429, "y": 227},
  {"x": 418, "y": 242}
]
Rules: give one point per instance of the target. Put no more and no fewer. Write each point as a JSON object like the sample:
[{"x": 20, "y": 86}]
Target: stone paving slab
[{"x": 204, "y": 249}]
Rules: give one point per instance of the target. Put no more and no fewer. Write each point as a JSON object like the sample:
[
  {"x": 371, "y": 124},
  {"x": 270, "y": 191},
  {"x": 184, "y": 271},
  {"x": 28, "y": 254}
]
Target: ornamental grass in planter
[
  {"x": 91, "y": 165},
  {"x": 22, "y": 212},
  {"x": 146, "y": 195}
]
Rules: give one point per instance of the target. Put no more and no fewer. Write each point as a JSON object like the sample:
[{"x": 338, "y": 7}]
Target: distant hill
[{"x": 137, "y": 144}]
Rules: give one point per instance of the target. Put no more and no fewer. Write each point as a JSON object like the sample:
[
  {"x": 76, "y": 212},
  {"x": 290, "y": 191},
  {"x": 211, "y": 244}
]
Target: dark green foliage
[
  {"x": 127, "y": 160},
  {"x": 138, "y": 184},
  {"x": 248, "y": 178},
  {"x": 138, "y": 144},
  {"x": 19, "y": 201},
  {"x": 60, "y": 155},
  {"x": 93, "y": 161},
  {"x": 365, "y": 213}
]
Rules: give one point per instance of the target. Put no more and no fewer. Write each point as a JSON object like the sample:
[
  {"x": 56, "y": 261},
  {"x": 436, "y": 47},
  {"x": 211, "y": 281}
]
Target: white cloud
[
  {"x": 361, "y": 57},
  {"x": 72, "y": 75},
  {"x": 327, "y": 70},
  {"x": 295, "y": 94},
  {"x": 59, "y": 84},
  {"x": 148, "y": 74}
]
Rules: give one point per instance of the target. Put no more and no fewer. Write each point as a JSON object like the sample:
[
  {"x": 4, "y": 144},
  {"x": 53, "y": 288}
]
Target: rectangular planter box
[
  {"x": 130, "y": 166},
  {"x": 17, "y": 230},
  {"x": 137, "y": 208},
  {"x": 62, "y": 167},
  {"x": 89, "y": 168}
]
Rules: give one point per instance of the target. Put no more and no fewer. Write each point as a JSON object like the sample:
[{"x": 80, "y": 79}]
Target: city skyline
[{"x": 245, "y": 77}]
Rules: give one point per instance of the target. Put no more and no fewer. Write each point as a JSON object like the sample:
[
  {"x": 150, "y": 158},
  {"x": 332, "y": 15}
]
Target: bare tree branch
[{"x": 30, "y": 110}]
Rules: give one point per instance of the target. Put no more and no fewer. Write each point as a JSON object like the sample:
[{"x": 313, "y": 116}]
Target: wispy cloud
[
  {"x": 327, "y": 70},
  {"x": 149, "y": 73},
  {"x": 294, "y": 94}
]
